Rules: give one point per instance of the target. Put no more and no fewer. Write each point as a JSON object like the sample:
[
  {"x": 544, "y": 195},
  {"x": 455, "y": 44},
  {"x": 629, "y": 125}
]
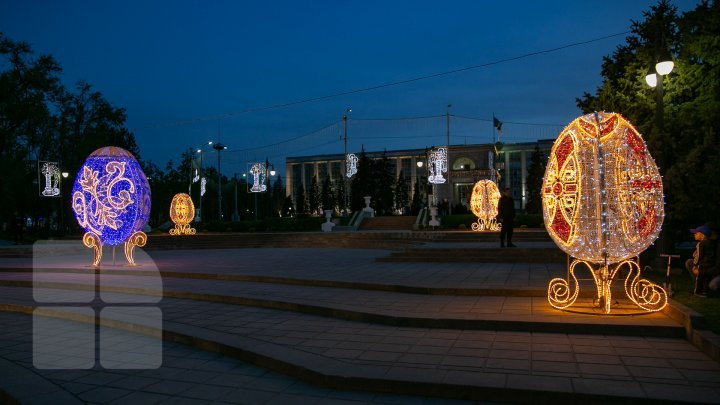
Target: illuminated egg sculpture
[
  {"x": 483, "y": 203},
  {"x": 111, "y": 201},
  {"x": 602, "y": 202},
  {"x": 182, "y": 212}
]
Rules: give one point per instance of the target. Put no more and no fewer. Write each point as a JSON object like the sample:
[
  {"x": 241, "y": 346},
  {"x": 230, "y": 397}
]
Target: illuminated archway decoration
[
  {"x": 111, "y": 201},
  {"x": 437, "y": 165},
  {"x": 351, "y": 161},
  {"x": 483, "y": 203},
  {"x": 603, "y": 205},
  {"x": 258, "y": 171},
  {"x": 182, "y": 212}
]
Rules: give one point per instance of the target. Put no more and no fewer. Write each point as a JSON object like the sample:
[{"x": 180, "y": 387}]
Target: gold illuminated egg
[
  {"x": 182, "y": 209},
  {"x": 484, "y": 199},
  {"x": 602, "y": 193}
]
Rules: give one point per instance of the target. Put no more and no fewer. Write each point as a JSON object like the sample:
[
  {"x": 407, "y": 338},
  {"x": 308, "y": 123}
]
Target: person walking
[{"x": 506, "y": 216}]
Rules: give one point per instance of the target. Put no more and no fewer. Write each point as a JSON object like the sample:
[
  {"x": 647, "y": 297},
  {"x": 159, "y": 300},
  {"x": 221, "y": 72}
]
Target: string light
[
  {"x": 483, "y": 203},
  {"x": 437, "y": 165},
  {"x": 51, "y": 172},
  {"x": 259, "y": 174},
  {"x": 351, "y": 164},
  {"x": 182, "y": 212},
  {"x": 111, "y": 201},
  {"x": 603, "y": 205}
]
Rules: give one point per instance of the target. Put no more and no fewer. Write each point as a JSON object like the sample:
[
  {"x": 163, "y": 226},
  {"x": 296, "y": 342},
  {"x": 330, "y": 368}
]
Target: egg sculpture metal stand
[
  {"x": 111, "y": 202},
  {"x": 182, "y": 212},
  {"x": 602, "y": 202},
  {"x": 484, "y": 204}
]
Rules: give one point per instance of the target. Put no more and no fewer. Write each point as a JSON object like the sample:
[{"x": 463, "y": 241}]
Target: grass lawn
[{"x": 682, "y": 286}]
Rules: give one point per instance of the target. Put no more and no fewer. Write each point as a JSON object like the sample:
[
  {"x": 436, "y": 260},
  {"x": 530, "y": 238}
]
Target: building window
[{"x": 463, "y": 163}]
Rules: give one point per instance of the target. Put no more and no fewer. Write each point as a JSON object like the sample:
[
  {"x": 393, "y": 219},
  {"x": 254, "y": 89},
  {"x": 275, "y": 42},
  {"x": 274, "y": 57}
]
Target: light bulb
[
  {"x": 651, "y": 80},
  {"x": 664, "y": 68}
]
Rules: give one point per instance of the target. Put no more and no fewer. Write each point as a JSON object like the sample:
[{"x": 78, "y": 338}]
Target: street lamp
[
  {"x": 450, "y": 186},
  {"x": 218, "y": 147},
  {"x": 662, "y": 68},
  {"x": 200, "y": 151},
  {"x": 345, "y": 203},
  {"x": 270, "y": 168}
]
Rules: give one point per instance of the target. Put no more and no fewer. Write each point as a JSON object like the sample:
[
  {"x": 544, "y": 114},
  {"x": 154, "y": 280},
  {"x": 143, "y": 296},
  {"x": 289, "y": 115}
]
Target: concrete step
[
  {"x": 482, "y": 255},
  {"x": 388, "y": 223}
]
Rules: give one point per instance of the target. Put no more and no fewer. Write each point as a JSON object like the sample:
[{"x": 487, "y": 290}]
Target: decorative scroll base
[
  {"x": 489, "y": 225},
  {"x": 93, "y": 241},
  {"x": 137, "y": 239},
  {"x": 182, "y": 229},
  {"x": 643, "y": 293}
]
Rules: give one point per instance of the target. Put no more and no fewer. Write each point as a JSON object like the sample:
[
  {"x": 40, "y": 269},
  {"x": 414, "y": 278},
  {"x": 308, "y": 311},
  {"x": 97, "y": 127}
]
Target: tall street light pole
[
  {"x": 268, "y": 174},
  {"x": 202, "y": 176},
  {"x": 219, "y": 147},
  {"x": 345, "y": 177},
  {"x": 447, "y": 125},
  {"x": 662, "y": 68},
  {"x": 655, "y": 80}
]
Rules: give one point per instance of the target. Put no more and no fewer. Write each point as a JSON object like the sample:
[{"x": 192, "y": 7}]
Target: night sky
[{"x": 186, "y": 71}]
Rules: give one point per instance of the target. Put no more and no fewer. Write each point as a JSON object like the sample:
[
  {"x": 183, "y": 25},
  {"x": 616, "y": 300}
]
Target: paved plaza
[{"x": 314, "y": 325}]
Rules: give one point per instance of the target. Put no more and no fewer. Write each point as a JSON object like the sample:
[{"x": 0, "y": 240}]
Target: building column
[
  {"x": 289, "y": 181},
  {"x": 507, "y": 170}
]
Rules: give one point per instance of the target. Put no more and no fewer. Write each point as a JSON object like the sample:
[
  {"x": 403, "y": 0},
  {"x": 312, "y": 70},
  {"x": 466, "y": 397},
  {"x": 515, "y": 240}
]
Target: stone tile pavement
[
  {"x": 188, "y": 375},
  {"x": 357, "y": 354}
]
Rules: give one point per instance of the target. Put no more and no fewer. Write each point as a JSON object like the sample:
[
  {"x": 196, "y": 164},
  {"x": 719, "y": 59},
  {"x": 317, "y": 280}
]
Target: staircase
[
  {"x": 390, "y": 223},
  {"x": 476, "y": 255}
]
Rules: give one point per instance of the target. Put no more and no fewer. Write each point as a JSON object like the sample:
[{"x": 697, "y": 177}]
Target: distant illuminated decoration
[
  {"x": 196, "y": 177},
  {"x": 49, "y": 175},
  {"x": 437, "y": 165},
  {"x": 111, "y": 201},
  {"x": 182, "y": 212},
  {"x": 258, "y": 171},
  {"x": 350, "y": 164},
  {"x": 603, "y": 205},
  {"x": 203, "y": 186},
  {"x": 484, "y": 203}
]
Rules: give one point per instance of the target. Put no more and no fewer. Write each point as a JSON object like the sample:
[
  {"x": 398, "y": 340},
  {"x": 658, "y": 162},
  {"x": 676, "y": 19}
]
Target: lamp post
[
  {"x": 447, "y": 125},
  {"x": 235, "y": 217},
  {"x": 345, "y": 177},
  {"x": 62, "y": 208},
  {"x": 200, "y": 152},
  {"x": 219, "y": 147},
  {"x": 270, "y": 172},
  {"x": 662, "y": 68}
]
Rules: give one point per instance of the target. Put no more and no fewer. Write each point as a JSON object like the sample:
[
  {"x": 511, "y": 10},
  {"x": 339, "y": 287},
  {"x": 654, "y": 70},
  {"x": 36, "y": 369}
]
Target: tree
[
  {"x": 362, "y": 183},
  {"x": 301, "y": 205},
  {"x": 314, "y": 198},
  {"x": 534, "y": 181},
  {"x": 417, "y": 201},
  {"x": 683, "y": 128},
  {"x": 326, "y": 195},
  {"x": 402, "y": 191},
  {"x": 340, "y": 194},
  {"x": 287, "y": 208},
  {"x": 384, "y": 181},
  {"x": 41, "y": 120},
  {"x": 278, "y": 197}
]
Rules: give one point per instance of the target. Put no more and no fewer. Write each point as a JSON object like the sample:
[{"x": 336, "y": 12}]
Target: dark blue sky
[{"x": 168, "y": 63}]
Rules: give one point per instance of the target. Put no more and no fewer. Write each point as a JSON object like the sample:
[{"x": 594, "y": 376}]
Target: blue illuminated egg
[{"x": 111, "y": 195}]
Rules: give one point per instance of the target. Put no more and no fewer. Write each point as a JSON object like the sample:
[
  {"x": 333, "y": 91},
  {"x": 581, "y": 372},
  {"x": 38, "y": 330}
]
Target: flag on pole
[{"x": 497, "y": 124}]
